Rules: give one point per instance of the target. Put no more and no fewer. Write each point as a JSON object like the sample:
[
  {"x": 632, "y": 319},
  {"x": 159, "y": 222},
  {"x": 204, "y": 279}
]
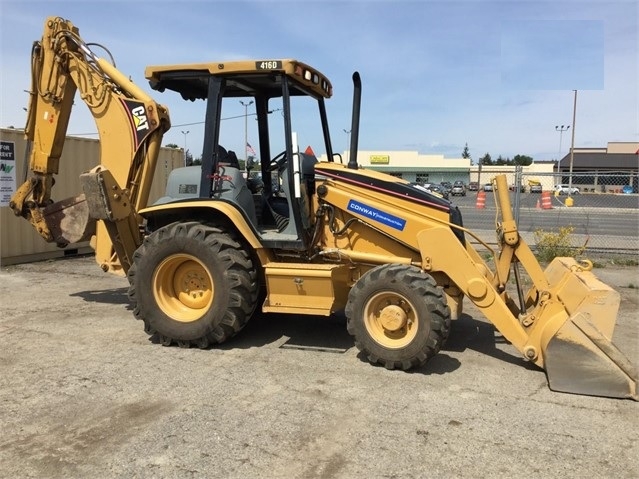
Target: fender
[{"x": 227, "y": 210}]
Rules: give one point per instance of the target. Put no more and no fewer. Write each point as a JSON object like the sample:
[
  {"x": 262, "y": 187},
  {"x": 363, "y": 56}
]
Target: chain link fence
[{"x": 600, "y": 210}]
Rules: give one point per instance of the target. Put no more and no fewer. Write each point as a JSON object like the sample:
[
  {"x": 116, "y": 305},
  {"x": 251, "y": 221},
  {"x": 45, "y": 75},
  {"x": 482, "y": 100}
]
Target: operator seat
[
  {"x": 230, "y": 184},
  {"x": 227, "y": 158}
]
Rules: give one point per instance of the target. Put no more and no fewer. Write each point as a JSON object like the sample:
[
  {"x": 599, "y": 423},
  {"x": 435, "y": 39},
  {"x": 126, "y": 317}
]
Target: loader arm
[
  {"x": 130, "y": 126},
  {"x": 563, "y": 322}
]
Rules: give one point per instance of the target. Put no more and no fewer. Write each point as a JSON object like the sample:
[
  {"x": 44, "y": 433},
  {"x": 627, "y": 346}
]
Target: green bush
[{"x": 551, "y": 245}]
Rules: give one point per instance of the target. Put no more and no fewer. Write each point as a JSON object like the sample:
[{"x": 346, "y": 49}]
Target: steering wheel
[{"x": 278, "y": 162}]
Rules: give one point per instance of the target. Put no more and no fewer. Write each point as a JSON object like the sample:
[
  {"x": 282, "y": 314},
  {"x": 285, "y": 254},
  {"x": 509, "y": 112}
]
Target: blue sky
[{"x": 436, "y": 75}]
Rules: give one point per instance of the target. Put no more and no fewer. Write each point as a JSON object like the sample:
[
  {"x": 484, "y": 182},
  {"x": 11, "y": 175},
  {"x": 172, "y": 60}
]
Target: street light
[
  {"x": 246, "y": 105},
  {"x": 572, "y": 143},
  {"x": 561, "y": 130},
  {"x": 185, "y": 133},
  {"x": 348, "y": 141}
]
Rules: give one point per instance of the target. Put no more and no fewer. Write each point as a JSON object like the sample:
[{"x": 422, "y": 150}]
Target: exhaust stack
[{"x": 357, "y": 102}]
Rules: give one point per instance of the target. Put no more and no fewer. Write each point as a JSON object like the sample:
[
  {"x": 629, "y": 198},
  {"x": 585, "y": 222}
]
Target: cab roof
[{"x": 243, "y": 78}]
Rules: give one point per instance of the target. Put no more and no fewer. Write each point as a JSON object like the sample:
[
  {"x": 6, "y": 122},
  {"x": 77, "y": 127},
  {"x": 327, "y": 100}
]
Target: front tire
[
  {"x": 192, "y": 284},
  {"x": 398, "y": 316}
]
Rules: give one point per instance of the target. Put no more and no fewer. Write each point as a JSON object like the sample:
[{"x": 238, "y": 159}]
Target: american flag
[{"x": 250, "y": 150}]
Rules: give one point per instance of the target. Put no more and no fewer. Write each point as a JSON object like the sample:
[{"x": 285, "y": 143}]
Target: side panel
[{"x": 306, "y": 288}]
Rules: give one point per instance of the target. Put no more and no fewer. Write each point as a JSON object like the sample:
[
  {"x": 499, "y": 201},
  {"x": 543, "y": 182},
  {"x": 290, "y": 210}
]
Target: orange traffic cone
[
  {"x": 538, "y": 205},
  {"x": 481, "y": 200},
  {"x": 546, "y": 202}
]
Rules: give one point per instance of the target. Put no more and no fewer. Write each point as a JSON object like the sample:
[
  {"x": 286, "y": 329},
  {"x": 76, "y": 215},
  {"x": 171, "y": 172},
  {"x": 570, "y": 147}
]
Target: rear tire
[
  {"x": 192, "y": 284},
  {"x": 398, "y": 316}
]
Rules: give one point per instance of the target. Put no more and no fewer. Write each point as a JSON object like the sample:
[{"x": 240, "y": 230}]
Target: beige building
[{"x": 415, "y": 167}]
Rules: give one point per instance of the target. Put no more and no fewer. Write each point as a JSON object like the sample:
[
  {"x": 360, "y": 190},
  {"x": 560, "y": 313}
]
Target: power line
[{"x": 185, "y": 124}]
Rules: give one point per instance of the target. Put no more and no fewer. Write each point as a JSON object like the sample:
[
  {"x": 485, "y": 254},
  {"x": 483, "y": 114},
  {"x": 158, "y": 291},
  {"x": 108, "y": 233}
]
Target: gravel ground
[{"x": 83, "y": 393}]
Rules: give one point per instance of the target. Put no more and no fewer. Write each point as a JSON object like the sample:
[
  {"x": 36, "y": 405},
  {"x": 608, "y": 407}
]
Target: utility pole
[
  {"x": 561, "y": 130},
  {"x": 246, "y": 105},
  {"x": 185, "y": 133},
  {"x": 348, "y": 142},
  {"x": 572, "y": 143}
]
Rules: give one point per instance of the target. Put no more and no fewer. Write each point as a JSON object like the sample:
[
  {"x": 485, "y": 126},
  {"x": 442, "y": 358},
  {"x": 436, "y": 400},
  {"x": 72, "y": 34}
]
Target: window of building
[{"x": 421, "y": 178}]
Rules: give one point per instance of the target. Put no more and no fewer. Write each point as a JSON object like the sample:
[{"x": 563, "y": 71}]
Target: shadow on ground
[
  {"x": 481, "y": 336},
  {"x": 329, "y": 335},
  {"x": 105, "y": 296}
]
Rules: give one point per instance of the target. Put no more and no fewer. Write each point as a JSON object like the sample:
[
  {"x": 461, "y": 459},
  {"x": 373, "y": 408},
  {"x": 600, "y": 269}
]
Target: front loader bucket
[{"x": 580, "y": 357}]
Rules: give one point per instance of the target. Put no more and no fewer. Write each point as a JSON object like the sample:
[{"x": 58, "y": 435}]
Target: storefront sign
[{"x": 379, "y": 159}]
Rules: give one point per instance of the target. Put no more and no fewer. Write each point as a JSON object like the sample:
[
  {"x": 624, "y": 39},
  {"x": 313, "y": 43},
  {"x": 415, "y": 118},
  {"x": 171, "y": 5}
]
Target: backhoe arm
[{"x": 130, "y": 125}]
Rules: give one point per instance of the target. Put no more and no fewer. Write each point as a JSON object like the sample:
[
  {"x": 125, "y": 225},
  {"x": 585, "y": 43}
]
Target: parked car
[
  {"x": 473, "y": 186},
  {"x": 535, "y": 187},
  {"x": 488, "y": 187},
  {"x": 437, "y": 188},
  {"x": 522, "y": 188},
  {"x": 432, "y": 188},
  {"x": 566, "y": 190},
  {"x": 447, "y": 185},
  {"x": 627, "y": 190},
  {"x": 459, "y": 189}
]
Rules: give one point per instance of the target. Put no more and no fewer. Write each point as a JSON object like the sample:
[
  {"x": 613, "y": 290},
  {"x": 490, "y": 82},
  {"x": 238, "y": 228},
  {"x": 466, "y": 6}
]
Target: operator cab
[{"x": 262, "y": 109}]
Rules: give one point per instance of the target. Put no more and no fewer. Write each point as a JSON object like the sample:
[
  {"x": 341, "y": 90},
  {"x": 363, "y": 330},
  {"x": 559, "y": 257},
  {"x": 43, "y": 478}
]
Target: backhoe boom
[{"x": 131, "y": 126}]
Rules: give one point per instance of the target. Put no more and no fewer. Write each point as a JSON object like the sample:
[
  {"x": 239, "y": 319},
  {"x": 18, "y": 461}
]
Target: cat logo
[
  {"x": 140, "y": 119},
  {"x": 141, "y": 125}
]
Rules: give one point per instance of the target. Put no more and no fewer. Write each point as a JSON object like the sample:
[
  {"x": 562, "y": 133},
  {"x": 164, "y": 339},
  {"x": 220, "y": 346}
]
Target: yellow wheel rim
[
  {"x": 183, "y": 288},
  {"x": 390, "y": 320}
]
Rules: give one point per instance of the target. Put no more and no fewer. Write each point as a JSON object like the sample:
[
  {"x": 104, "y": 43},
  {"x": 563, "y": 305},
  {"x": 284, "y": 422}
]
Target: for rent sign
[{"x": 7, "y": 171}]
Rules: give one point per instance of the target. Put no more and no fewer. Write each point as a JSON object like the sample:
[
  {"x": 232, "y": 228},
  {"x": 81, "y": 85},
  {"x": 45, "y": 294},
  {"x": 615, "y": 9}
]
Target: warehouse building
[{"x": 606, "y": 169}]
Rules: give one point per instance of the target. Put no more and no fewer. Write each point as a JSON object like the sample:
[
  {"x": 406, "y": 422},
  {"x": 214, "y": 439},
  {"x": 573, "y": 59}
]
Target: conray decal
[{"x": 377, "y": 215}]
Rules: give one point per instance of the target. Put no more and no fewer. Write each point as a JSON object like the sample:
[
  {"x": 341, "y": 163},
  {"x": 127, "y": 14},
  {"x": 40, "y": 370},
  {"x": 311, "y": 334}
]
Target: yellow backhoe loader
[{"x": 300, "y": 236}]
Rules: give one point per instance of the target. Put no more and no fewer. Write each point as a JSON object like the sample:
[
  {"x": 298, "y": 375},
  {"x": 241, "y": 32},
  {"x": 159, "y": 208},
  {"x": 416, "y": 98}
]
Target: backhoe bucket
[
  {"x": 580, "y": 357},
  {"x": 68, "y": 220}
]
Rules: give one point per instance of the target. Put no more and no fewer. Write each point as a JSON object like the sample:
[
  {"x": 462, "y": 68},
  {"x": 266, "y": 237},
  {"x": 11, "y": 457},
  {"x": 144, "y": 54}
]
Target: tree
[
  {"x": 486, "y": 159},
  {"x": 522, "y": 160},
  {"x": 466, "y": 154},
  {"x": 188, "y": 158},
  {"x": 171, "y": 145}
]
